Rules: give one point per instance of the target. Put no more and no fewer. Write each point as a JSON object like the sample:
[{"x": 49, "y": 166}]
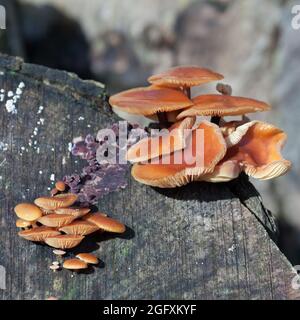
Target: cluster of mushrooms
[
  {"x": 229, "y": 147},
  {"x": 56, "y": 221}
]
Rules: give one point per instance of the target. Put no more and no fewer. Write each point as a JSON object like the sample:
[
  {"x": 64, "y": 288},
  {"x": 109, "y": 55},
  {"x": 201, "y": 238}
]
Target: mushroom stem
[
  {"x": 187, "y": 92},
  {"x": 163, "y": 119},
  {"x": 215, "y": 120},
  {"x": 225, "y": 90}
]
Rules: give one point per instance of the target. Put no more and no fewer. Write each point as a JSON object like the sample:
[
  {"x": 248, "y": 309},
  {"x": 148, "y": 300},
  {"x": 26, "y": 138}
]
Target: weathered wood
[{"x": 202, "y": 241}]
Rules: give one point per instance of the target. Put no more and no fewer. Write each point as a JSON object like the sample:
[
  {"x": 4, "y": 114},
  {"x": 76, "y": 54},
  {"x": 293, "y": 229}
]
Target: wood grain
[{"x": 202, "y": 241}]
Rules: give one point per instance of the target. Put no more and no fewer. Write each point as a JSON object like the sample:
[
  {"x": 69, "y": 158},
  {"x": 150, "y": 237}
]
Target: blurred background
[{"x": 121, "y": 43}]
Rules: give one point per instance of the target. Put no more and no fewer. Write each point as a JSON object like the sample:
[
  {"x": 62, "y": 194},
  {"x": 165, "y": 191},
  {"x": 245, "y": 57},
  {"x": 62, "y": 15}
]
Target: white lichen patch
[
  {"x": 52, "y": 177},
  {"x": 232, "y": 248},
  {"x": 40, "y": 110},
  {"x": 70, "y": 146},
  {"x": 13, "y": 97},
  {"x": 32, "y": 142},
  {"x": 3, "y": 146}
]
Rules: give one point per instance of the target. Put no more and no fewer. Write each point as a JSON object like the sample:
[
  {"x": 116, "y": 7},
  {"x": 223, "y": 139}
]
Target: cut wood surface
[{"x": 201, "y": 241}]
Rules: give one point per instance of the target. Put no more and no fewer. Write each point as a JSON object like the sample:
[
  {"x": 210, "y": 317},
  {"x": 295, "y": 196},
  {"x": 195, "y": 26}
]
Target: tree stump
[{"x": 201, "y": 241}]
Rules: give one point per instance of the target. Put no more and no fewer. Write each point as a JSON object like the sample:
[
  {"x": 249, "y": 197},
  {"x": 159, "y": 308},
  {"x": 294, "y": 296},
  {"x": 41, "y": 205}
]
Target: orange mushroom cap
[
  {"x": 58, "y": 201},
  {"x": 173, "y": 175},
  {"x": 79, "y": 227},
  {"x": 74, "y": 264},
  {"x": 222, "y": 105},
  {"x": 38, "y": 234},
  {"x": 64, "y": 241},
  {"x": 150, "y": 100},
  {"x": 28, "y": 211},
  {"x": 77, "y": 212},
  {"x": 184, "y": 76},
  {"x": 105, "y": 223},
  {"x": 56, "y": 220},
  {"x": 258, "y": 151},
  {"x": 20, "y": 223},
  {"x": 88, "y": 258},
  {"x": 172, "y": 140}
]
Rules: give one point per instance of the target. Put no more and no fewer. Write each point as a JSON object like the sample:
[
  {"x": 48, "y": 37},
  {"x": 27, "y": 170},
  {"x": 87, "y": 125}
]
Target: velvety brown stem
[
  {"x": 163, "y": 119},
  {"x": 215, "y": 120},
  {"x": 187, "y": 92}
]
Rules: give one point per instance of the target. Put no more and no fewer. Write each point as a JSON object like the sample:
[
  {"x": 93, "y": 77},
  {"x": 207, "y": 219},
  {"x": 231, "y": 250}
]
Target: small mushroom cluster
[
  {"x": 56, "y": 221},
  {"x": 229, "y": 148}
]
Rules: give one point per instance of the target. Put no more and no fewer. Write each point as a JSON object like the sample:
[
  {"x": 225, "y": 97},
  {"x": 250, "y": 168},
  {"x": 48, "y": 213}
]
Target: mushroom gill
[
  {"x": 222, "y": 105},
  {"x": 224, "y": 171},
  {"x": 197, "y": 159},
  {"x": 38, "y": 234},
  {"x": 64, "y": 241},
  {"x": 150, "y": 100},
  {"x": 166, "y": 142},
  {"x": 258, "y": 150}
]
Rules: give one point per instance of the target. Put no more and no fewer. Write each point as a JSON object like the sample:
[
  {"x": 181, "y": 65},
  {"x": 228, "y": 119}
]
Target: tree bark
[{"x": 201, "y": 241}]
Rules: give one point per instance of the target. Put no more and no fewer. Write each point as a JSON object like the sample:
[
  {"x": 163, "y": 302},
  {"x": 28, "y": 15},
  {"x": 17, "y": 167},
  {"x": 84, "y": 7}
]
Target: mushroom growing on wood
[
  {"x": 152, "y": 100},
  {"x": 258, "y": 150},
  {"x": 172, "y": 175},
  {"x": 74, "y": 264},
  {"x": 28, "y": 211},
  {"x": 184, "y": 77},
  {"x": 222, "y": 105},
  {"x": 60, "y": 186},
  {"x": 166, "y": 143},
  {"x": 56, "y": 220},
  {"x": 20, "y": 223},
  {"x": 79, "y": 227},
  {"x": 38, "y": 234},
  {"x": 88, "y": 258},
  {"x": 73, "y": 211},
  {"x": 64, "y": 241},
  {"x": 63, "y": 200},
  {"x": 105, "y": 223}
]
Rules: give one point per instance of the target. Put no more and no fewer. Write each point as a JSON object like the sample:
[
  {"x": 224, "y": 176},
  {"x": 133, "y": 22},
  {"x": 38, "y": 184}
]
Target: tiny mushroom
[
  {"x": 54, "y": 267},
  {"x": 105, "y": 223},
  {"x": 28, "y": 212},
  {"x": 165, "y": 143},
  {"x": 58, "y": 201},
  {"x": 79, "y": 227},
  {"x": 88, "y": 258},
  {"x": 74, "y": 264},
  {"x": 56, "y": 220},
  {"x": 258, "y": 150},
  {"x": 20, "y": 223},
  {"x": 60, "y": 186},
  {"x": 64, "y": 241},
  {"x": 196, "y": 160},
  {"x": 38, "y": 234},
  {"x": 59, "y": 252},
  {"x": 222, "y": 105}
]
